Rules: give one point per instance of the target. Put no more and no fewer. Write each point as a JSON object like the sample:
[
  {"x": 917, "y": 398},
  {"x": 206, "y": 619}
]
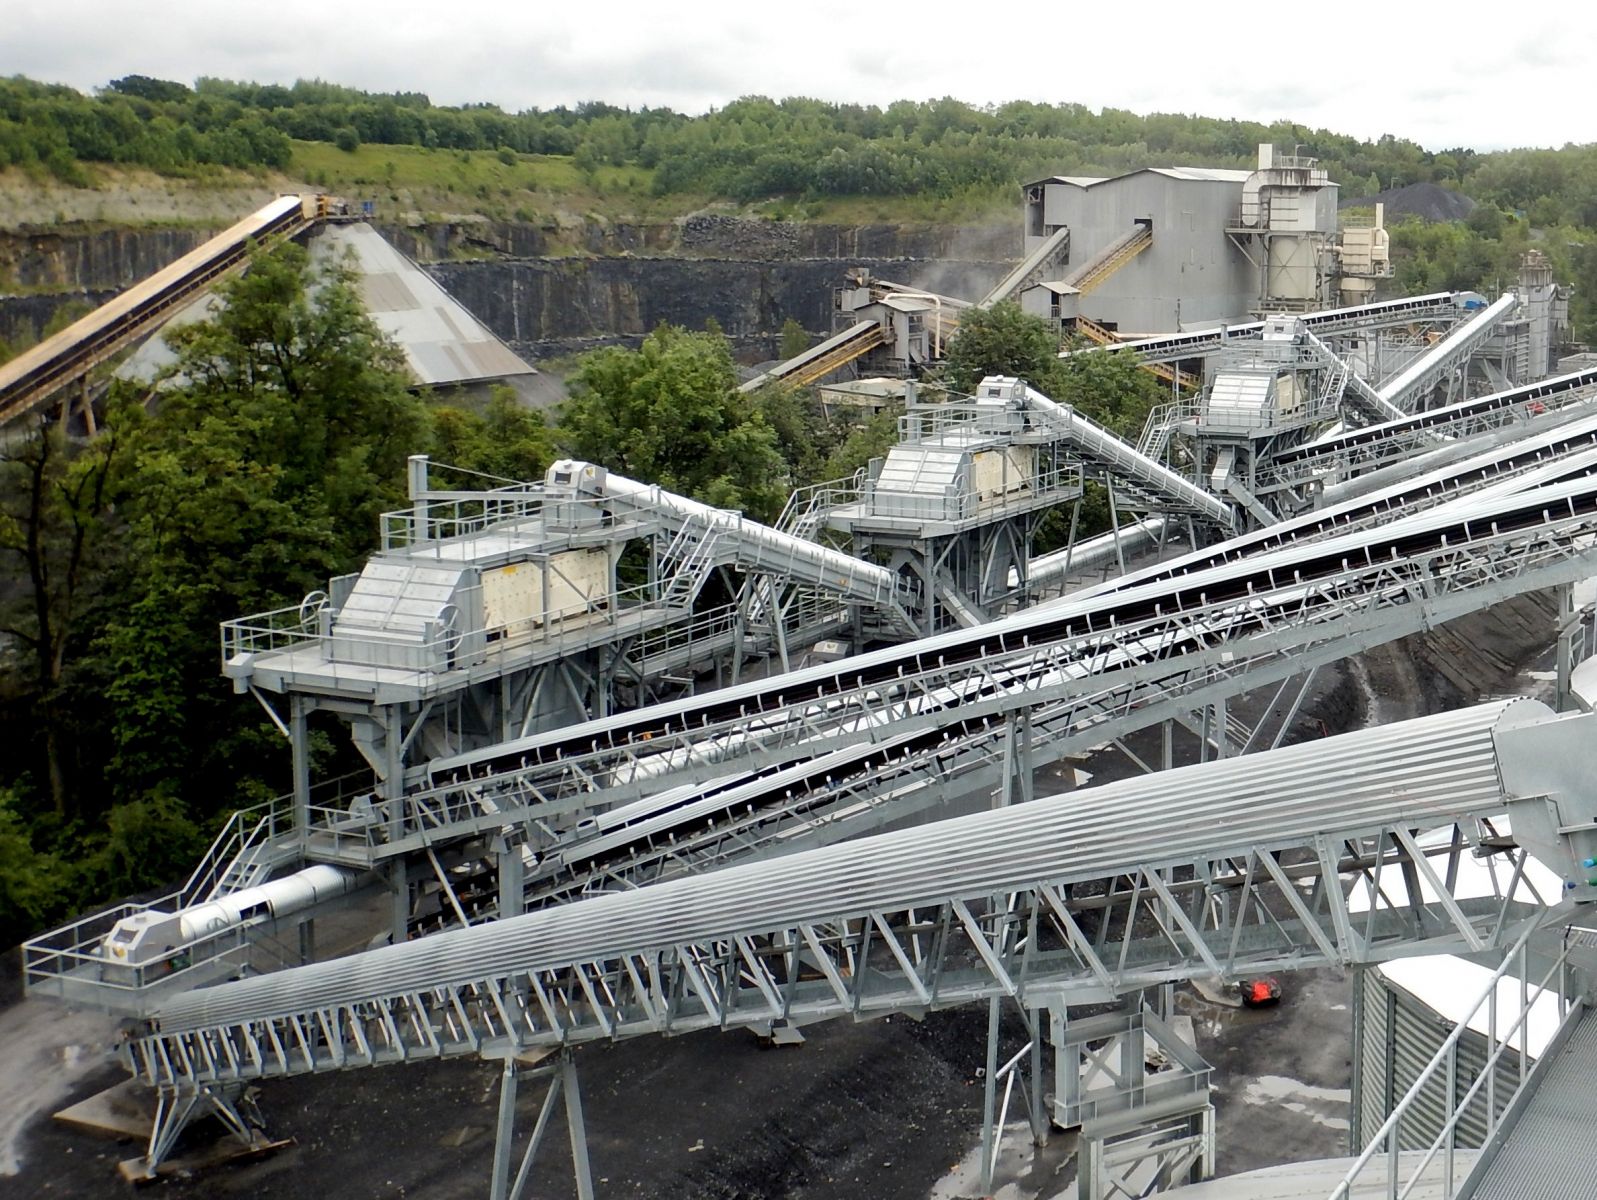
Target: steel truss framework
[
  {"x": 1086, "y": 673},
  {"x": 1269, "y": 907},
  {"x": 1331, "y": 322}
]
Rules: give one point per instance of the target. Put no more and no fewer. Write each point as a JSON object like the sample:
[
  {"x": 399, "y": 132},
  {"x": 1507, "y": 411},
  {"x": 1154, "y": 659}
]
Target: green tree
[
  {"x": 58, "y": 551},
  {"x": 1110, "y": 388},
  {"x": 507, "y": 440},
  {"x": 670, "y": 413},
  {"x": 282, "y": 432},
  {"x": 1001, "y": 340},
  {"x": 794, "y": 340}
]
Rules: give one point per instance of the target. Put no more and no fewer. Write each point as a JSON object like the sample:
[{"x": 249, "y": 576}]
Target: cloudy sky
[{"x": 1486, "y": 75}]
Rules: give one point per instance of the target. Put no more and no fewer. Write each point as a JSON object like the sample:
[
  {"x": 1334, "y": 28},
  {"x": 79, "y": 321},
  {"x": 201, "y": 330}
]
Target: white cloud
[{"x": 1472, "y": 74}]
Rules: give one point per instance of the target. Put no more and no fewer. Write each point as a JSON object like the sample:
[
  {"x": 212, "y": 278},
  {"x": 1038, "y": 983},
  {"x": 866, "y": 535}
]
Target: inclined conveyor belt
[
  {"x": 1425, "y": 371},
  {"x": 644, "y": 961},
  {"x": 757, "y": 547},
  {"x": 1148, "y": 481},
  {"x": 1199, "y": 342},
  {"x": 35, "y": 375},
  {"x": 1470, "y": 553},
  {"x": 1376, "y": 445},
  {"x": 837, "y": 793},
  {"x": 1110, "y": 259},
  {"x": 1560, "y": 454},
  {"x": 818, "y": 361},
  {"x": 1033, "y": 262}
]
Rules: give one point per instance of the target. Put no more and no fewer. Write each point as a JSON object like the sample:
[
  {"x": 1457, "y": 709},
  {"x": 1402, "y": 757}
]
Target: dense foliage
[
  {"x": 277, "y": 438},
  {"x": 751, "y": 149}
]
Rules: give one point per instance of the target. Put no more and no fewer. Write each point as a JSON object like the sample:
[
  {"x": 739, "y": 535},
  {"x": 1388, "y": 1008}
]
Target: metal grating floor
[{"x": 1545, "y": 1158}]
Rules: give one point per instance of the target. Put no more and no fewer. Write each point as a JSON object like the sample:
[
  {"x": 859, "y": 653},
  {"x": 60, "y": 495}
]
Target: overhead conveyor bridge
[
  {"x": 1199, "y": 343},
  {"x": 1216, "y": 870},
  {"x": 1083, "y": 671},
  {"x": 35, "y": 376}
]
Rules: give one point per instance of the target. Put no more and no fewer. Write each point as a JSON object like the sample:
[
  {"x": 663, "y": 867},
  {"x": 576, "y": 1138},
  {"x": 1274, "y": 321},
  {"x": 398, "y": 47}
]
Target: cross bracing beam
[
  {"x": 1309, "y": 855},
  {"x": 1103, "y": 664}
]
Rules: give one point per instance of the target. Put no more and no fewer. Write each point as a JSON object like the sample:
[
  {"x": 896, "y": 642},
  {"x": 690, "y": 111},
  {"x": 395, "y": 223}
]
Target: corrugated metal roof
[
  {"x": 1424, "y": 772},
  {"x": 1203, "y": 174},
  {"x": 1074, "y": 180},
  {"x": 1190, "y": 174}
]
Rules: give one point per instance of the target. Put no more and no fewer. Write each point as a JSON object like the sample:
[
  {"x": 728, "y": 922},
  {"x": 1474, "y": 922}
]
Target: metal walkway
[
  {"x": 28, "y": 381},
  {"x": 1546, "y": 1152},
  {"x": 1216, "y": 869}
]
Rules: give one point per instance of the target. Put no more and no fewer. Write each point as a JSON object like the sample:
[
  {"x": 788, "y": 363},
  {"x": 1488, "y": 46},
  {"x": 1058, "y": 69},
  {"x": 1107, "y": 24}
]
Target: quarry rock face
[{"x": 524, "y": 281}]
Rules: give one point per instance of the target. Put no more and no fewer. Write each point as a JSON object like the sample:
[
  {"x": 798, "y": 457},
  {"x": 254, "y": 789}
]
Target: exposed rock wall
[
  {"x": 546, "y": 306},
  {"x": 72, "y": 257},
  {"x": 551, "y": 289}
]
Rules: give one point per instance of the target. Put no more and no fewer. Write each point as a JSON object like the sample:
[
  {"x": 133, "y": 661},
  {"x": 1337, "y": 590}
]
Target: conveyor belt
[
  {"x": 1197, "y": 343},
  {"x": 1029, "y": 267},
  {"x": 1110, "y": 259},
  {"x": 766, "y": 941},
  {"x": 36, "y": 375},
  {"x": 1550, "y": 456},
  {"x": 1409, "y": 384},
  {"x": 1105, "y": 663},
  {"x": 1377, "y": 445},
  {"x": 1146, "y": 482},
  {"x": 820, "y": 361}
]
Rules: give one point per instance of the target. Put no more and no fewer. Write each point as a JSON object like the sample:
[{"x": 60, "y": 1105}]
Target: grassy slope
[{"x": 409, "y": 182}]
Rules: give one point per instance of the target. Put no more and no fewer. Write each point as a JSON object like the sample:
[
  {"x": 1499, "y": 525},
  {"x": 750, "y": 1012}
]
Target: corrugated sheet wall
[{"x": 1397, "y": 1035}]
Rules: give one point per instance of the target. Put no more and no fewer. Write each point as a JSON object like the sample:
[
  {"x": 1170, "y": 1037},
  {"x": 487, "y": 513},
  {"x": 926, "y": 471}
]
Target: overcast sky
[{"x": 1449, "y": 74}]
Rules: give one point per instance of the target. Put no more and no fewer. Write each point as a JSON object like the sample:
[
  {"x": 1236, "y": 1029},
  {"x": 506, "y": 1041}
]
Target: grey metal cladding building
[{"x": 1193, "y": 273}]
